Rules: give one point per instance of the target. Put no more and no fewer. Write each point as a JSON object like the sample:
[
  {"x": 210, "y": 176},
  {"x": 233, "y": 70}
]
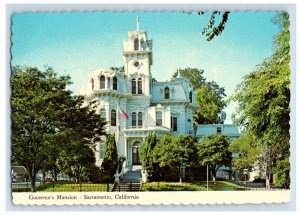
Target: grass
[
  {"x": 195, "y": 186},
  {"x": 71, "y": 187}
]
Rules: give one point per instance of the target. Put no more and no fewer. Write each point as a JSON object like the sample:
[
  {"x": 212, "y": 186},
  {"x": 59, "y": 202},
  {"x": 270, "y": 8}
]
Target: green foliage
[
  {"x": 146, "y": 154},
  {"x": 282, "y": 173},
  {"x": 37, "y": 104},
  {"x": 264, "y": 96},
  {"x": 83, "y": 130},
  {"x": 214, "y": 151},
  {"x": 110, "y": 161},
  {"x": 209, "y": 97},
  {"x": 247, "y": 152},
  {"x": 52, "y": 130},
  {"x": 212, "y": 30},
  {"x": 175, "y": 152},
  {"x": 210, "y": 105},
  {"x": 118, "y": 69}
]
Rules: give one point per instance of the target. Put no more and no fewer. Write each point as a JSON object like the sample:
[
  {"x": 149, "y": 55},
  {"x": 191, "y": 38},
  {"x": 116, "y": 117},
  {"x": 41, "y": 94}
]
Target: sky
[{"x": 75, "y": 43}]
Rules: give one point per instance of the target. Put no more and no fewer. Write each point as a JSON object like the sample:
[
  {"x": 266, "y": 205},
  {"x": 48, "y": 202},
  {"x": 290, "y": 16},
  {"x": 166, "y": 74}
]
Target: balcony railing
[{"x": 146, "y": 128}]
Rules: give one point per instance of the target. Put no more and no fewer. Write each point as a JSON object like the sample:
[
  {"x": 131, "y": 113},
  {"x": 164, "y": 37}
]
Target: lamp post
[{"x": 245, "y": 172}]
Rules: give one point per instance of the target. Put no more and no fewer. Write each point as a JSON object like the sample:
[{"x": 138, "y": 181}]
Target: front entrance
[{"x": 135, "y": 154}]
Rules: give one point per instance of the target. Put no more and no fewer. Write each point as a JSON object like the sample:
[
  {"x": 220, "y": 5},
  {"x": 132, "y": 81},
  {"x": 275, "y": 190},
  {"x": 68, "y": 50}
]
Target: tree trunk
[
  {"x": 44, "y": 177},
  {"x": 268, "y": 181}
]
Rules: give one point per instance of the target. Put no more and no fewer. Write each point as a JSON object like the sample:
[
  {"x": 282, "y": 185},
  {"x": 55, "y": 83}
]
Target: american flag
[{"x": 123, "y": 114}]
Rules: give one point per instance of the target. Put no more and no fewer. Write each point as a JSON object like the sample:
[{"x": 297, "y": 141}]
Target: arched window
[
  {"x": 140, "y": 87},
  {"x": 167, "y": 93},
  {"x": 115, "y": 83},
  {"x": 92, "y": 82},
  {"x": 136, "y": 44},
  {"x": 191, "y": 96},
  {"x": 133, "y": 119},
  {"x": 102, "y": 82},
  {"x": 133, "y": 86},
  {"x": 103, "y": 113},
  {"x": 113, "y": 118},
  {"x": 140, "y": 119}
]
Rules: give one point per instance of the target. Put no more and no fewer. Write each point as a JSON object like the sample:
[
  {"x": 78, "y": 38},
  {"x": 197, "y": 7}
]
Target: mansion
[{"x": 134, "y": 104}]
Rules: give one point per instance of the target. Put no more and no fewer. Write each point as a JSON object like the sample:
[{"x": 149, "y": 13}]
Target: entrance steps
[
  {"x": 131, "y": 181},
  {"x": 134, "y": 175}
]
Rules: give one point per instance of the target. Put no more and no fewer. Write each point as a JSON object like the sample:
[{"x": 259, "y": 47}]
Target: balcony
[{"x": 146, "y": 128}]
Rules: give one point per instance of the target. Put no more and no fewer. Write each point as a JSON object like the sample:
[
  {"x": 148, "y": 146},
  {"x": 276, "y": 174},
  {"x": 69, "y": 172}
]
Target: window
[
  {"x": 115, "y": 83},
  {"x": 103, "y": 113},
  {"x": 140, "y": 119},
  {"x": 158, "y": 118},
  {"x": 133, "y": 119},
  {"x": 113, "y": 118},
  {"x": 101, "y": 150},
  {"x": 140, "y": 89},
  {"x": 136, "y": 44},
  {"x": 92, "y": 82},
  {"x": 167, "y": 93},
  {"x": 191, "y": 97},
  {"x": 133, "y": 86},
  {"x": 219, "y": 130},
  {"x": 174, "y": 123},
  {"x": 102, "y": 82}
]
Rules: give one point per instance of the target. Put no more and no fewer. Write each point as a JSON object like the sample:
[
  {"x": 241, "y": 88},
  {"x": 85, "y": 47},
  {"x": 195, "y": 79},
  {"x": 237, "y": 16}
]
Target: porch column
[{"x": 126, "y": 151}]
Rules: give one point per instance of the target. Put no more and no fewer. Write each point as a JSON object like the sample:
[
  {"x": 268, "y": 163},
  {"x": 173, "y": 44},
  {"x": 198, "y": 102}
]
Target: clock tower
[{"x": 137, "y": 56}]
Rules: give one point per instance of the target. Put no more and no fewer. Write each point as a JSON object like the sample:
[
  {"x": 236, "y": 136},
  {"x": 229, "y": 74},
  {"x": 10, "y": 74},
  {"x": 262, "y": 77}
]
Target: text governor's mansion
[{"x": 134, "y": 105}]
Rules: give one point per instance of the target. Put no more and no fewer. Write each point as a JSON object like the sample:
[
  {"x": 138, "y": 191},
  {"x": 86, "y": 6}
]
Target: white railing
[{"x": 128, "y": 127}]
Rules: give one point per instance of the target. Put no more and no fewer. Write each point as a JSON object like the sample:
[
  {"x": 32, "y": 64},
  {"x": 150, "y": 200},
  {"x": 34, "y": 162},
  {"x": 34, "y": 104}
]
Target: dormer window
[
  {"x": 167, "y": 93},
  {"x": 140, "y": 87},
  {"x": 102, "y": 82},
  {"x": 136, "y": 44},
  {"x": 133, "y": 86},
  {"x": 115, "y": 83}
]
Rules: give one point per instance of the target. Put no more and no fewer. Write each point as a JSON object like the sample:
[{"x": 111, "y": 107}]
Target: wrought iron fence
[{"x": 63, "y": 187}]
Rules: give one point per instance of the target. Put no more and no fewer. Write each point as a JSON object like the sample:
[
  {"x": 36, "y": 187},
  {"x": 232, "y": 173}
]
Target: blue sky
[{"x": 75, "y": 43}]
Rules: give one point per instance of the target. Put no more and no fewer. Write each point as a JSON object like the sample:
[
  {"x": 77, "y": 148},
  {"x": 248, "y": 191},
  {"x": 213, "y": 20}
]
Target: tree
[
  {"x": 209, "y": 97},
  {"x": 210, "y": 106},
  {"x": 247, "y": 152},
  {"x": 176, "y": 152},
  {"x": 37, "y": 105},
  {"x": 263, "y": 98},
  {"x": 83, "y": 129},
  {"x": 282, "y": 172},
  {"x": 110, "y": 160},
  {"x": 76, "y": 160},
  {"x": 146, "y": 154},
  {"x": 47, "y": 120},
  {"x": 211, "y": 30},
  {"x": 214, "y": 152}
]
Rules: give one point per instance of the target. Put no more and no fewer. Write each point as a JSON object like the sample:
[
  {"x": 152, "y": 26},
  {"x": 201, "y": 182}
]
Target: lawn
[
  {"x": 196, "y": 186},
  {"x": 71, "y": 187}
]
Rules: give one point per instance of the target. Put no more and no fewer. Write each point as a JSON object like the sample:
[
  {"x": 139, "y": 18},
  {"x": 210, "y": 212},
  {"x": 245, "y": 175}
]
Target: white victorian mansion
[{"x": 133, "y": 104}]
